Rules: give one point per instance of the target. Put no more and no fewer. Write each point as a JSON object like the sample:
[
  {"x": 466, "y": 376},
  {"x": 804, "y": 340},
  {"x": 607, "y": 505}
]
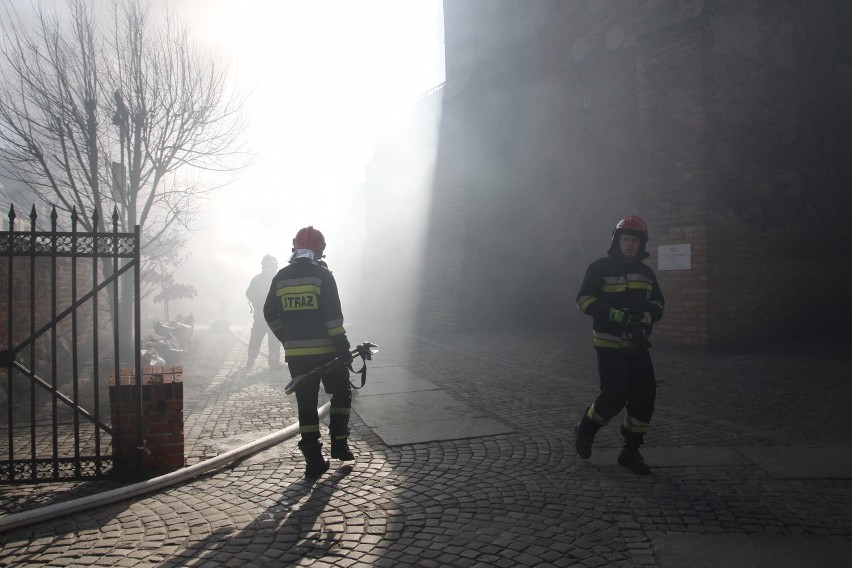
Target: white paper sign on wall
[{"x": 674, "y": 257}]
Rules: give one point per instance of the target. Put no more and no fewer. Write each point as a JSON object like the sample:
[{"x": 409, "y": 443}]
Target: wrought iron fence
[{"x": 57, "y": 288}]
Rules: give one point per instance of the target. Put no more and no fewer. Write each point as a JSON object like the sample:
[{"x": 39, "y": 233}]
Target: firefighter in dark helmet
[
  {"x": 256, "y": 293},
  {"x": 621, "y": 294},
  {"x": 303, "y": 310}
]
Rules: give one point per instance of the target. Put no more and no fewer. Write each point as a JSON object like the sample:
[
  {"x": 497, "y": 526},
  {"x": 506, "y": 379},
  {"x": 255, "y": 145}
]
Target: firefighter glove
[
  {"x": 626, "y": 317},
  {"x": 344, "y": 355}
]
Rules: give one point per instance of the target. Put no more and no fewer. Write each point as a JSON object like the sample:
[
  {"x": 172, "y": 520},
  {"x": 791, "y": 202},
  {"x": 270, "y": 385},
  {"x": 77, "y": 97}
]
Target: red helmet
[
  {"x": 309, "y": 238},
  {"x": 632, "y": 224}
]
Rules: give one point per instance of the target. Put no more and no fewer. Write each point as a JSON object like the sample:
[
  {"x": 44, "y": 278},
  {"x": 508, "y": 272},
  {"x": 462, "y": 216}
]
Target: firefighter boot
[
  {"x": 340, "y": 450},
  {"x": 340, "y": 445},
  {"x": 338, "y": 429},
  {"x": 584, "y": 432},
  {"x": 315, "y": 463},
  {"x": 629, "y": 456}
]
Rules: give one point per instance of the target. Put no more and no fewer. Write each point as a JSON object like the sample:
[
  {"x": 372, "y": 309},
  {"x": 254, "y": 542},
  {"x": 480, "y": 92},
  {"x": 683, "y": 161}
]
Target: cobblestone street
[{"x": 736, "y": 445}]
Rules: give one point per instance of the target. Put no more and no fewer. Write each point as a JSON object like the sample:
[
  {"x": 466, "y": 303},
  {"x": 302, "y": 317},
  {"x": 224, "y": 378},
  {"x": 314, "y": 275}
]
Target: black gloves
[{"x": 344, "y": 355}]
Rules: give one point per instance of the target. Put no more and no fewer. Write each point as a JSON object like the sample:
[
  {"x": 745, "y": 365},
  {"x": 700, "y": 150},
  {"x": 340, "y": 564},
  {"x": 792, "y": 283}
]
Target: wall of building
[
  {"x": 780, "y": 151},
  {"x": 725, "y": 127},
  {"x": 576, "y": 114}
]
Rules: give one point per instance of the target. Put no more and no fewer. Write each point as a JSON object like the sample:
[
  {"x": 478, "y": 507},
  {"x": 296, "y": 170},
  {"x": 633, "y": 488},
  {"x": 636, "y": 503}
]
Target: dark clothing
[
  {"x": 303, "y": 309},
  {"x": 256, "y": 293},
  {"x": 627, "y": 379},
  {"x": 336, "y": 383},
  {"x": 624, "y": 363},
  {"x": 613, "y": 282}
]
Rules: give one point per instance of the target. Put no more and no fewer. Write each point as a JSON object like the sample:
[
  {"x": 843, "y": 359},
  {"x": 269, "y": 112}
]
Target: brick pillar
[{"x": 162, "y": 422}]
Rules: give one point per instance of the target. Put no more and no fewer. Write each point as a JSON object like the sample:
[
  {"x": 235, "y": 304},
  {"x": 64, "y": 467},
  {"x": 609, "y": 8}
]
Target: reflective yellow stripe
[
  {"x": 624, "y": 286},
  {"x": 299, "y": 343},
  {"x": 638, "y": 278},
  {"x": 607, "y": 343},
  {"x": 336, "y": 331},
  {"x": 611, "y": 341},
  {"x": 339, "y": 410},
  {"x": 636, "y": 428},
  {"x": 595, "y": 417},
  {"x": 305, "y": 351},
  {"x": 307, "y": 428},
  {"x": 303, "y": 289},
  {"x": 585, "y": 301}
]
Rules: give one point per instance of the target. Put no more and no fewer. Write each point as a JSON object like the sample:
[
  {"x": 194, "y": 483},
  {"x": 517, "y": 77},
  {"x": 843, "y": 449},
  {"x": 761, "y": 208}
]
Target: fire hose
[{"x": 26, "y": 518}]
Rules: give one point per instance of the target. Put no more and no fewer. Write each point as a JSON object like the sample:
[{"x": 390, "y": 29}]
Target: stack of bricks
[{"x": 161, "y": 418}]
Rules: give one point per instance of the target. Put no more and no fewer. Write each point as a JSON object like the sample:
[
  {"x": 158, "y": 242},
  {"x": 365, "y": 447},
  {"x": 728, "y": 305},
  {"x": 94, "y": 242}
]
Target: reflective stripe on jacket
[
  {"x": 303, "y": 311},
  {"x": 614, "y": 282}
]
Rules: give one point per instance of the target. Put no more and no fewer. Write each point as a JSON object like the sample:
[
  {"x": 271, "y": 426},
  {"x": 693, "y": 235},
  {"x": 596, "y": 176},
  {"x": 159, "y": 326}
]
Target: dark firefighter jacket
[
  {"x": 613, "y": 282},
  {"x": 303, "y": 311}
]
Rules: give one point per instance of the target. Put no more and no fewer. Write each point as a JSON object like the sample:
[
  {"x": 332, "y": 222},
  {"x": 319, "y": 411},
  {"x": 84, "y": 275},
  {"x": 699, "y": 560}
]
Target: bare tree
[
  {"x": 116, "y": 112},
  {"x": 170, "y": 291}
]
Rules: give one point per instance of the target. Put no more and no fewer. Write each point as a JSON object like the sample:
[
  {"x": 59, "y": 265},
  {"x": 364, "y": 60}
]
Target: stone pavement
[{"x": 752, "y": 448}]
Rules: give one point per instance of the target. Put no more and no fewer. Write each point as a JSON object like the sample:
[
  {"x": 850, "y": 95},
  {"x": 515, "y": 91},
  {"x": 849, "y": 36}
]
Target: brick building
[{"x": 726, "y": 125}]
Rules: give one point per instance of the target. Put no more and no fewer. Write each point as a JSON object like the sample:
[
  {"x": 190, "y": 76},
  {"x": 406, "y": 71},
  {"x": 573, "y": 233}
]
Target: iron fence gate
[{"x": 55, "y": 288}]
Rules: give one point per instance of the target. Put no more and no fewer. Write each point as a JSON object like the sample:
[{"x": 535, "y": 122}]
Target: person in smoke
[
  {"x": 623, "y": 298},
  {"x": 303, "y": 310},
  {"x": 256, "y": 293}
]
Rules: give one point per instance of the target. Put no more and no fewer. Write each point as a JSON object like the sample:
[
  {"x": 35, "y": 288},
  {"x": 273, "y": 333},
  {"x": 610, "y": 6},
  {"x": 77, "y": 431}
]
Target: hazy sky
[{"x": 323, "y": 76}]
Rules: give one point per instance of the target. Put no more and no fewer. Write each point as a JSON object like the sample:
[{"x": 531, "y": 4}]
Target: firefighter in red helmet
[
  {"x": 622, "y": 296},
  {"x": 303, "y": 310}
]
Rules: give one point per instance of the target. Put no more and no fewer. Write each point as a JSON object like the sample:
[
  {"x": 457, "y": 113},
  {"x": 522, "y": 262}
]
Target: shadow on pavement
[{"x": 291, "y": 529}]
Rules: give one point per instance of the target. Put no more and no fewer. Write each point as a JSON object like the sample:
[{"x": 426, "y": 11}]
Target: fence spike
[
  {"x": 11, "y": 216},
  {"x": 115, "y": 218},
  {"x": 73, "y": 217},
  {"x": 33, "y": 217},
  {"x": 53, "y": 217}
]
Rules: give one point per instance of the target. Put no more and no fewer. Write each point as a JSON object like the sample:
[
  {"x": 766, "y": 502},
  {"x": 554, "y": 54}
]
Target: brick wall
[
  {"x": 725, "y": 125},
  {"x": 671, "y": 167},
  {"x": 161, "y": 417},
  {"x": 575, "y": 115},
  {"x": 779, "y": 142}
]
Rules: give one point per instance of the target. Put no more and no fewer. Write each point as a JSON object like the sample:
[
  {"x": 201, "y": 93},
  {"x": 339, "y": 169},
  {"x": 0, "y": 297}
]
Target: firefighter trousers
[
  {"x": 336, "y": 383},
  {"x": 258, "y": 329},
  {"x": 627, "y": 380}
]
